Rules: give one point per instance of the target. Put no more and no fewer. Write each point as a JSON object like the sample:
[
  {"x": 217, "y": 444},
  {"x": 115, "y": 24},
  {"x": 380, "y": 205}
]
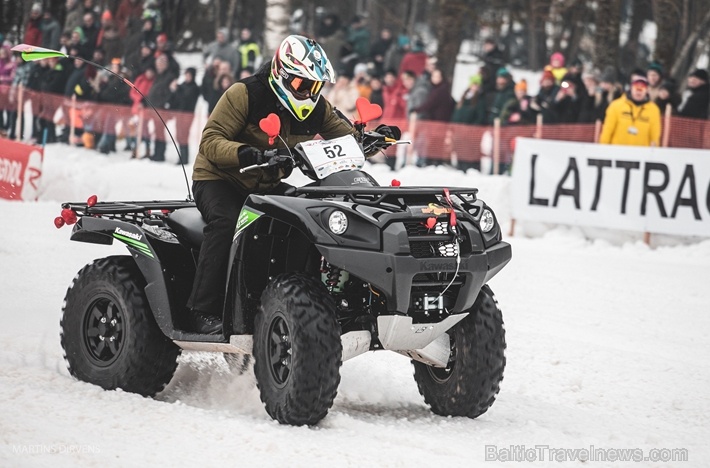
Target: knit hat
[
  {"x": 475, "y": 79},
  {"x": 655, "y": 66},
  {"x": 700, "y": 74},
  {"x": 547, "y": 75},
  {"x": 192, "y": 71},
  {"x": 80, "y": 31},
  {"x": 608, "y": 75},
  {"x": 36, "y": 8},
  {"x": 502, "y": 71},
  {"x": 106, "y": 15},
  {"x": 522, "y": 85},
  {"x": 558, "y": 57},
  {"x": 224, "y": 32}
]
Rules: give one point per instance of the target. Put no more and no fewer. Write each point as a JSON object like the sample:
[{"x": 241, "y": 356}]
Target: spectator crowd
[{"x": 394, "y": 71}]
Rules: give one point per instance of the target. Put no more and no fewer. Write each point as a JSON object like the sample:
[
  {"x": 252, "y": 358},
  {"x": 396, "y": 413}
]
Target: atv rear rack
[
  {"x": 378, "y": 195},
  {"x": 131, "y": 211}
]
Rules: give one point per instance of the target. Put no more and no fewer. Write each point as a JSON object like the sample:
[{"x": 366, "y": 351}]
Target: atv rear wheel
[
  {"x": 297, "y": 349},
  {"x": 470, "y": 382},
  {"x": 108, "y": 332}
]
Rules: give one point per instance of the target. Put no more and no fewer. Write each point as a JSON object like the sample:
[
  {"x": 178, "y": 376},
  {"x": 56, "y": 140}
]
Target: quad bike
[{"x": 316, "y": 276}]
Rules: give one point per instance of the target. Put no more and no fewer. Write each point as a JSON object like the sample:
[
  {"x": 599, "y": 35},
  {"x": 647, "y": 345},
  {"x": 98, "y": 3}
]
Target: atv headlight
[
  {"x": 338, "y": 222},
  {"x": 487, "y": 221}
]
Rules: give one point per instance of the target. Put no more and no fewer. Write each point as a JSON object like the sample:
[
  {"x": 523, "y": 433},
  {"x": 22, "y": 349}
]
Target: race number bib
[{"x": 330, "y": 156}]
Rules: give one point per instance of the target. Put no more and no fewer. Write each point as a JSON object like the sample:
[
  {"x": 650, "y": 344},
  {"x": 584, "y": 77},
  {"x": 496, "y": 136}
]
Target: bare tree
[
  {"x": 606, "y": 37},
  {"x": 275, "y": 24},
  {"x": 448, "y": 33}
]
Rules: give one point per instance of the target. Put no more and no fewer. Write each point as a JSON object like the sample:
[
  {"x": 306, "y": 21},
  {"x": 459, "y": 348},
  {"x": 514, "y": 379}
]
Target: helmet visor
[{"x": 303, "y": 88}]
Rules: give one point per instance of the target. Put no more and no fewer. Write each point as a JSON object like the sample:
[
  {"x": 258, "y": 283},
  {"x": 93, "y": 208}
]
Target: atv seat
[{"x": 188, "y": 224}]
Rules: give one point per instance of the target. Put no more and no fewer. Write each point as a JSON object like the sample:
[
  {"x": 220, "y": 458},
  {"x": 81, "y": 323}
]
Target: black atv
[{"x": 317, "y": 276}]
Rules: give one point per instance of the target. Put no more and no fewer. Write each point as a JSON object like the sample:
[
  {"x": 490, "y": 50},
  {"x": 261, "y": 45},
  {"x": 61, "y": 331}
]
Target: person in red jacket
[
  {"x": 143, "y": 82},
  {"x": 414, "y": 61},
  {"x": 33, "y": 32}
]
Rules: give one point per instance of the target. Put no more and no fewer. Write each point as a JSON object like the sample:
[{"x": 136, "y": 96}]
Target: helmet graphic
[{"x": 298, "y": 70}]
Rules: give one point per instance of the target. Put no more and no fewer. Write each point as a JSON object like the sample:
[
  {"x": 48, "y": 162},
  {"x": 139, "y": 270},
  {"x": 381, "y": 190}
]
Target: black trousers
[{"x": 220, "y": 203}]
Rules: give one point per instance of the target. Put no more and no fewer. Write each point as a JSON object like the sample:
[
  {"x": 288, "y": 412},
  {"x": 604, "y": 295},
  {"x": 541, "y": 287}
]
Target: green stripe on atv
[
  {"x": 246, "y": 217},
  {"x": 139, "y": 246}
]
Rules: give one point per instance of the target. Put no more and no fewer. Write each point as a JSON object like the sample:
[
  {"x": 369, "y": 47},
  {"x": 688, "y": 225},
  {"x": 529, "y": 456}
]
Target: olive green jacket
[{"x": 228, "y": 128}]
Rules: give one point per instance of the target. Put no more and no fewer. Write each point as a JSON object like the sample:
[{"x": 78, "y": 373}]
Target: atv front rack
[{"x": 378, "y": 195}]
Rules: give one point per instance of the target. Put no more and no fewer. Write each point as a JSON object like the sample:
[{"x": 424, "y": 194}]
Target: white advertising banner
[{"x": 661, "y": 190}]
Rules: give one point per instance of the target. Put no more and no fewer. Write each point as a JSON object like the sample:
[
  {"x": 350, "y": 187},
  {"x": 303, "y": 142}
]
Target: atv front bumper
[{"x": 394, "y": 274}]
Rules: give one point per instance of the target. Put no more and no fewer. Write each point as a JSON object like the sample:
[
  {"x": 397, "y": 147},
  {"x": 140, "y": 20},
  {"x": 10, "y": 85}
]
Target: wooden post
[
  {"x": 538, "y": 127},
  {"x": 496, "y": 145},
  {"x": 597, "y": 130},
  {"x": 72, "y": 120},
  {"x": 666, "y": 126},
  {"x": 19, "y": 127},
  {"x": 139, "y": 133}
]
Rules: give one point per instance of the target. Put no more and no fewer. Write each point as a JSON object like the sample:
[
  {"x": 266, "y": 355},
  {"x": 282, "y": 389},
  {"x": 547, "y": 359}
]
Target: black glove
[
  {"x": 248, "y": 156},
  {"x": 389, "y": 131}
]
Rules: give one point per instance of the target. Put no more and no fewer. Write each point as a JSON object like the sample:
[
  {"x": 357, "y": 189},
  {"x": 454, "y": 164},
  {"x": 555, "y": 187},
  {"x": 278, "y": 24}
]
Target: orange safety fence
[{"x": 437, "y": 141}]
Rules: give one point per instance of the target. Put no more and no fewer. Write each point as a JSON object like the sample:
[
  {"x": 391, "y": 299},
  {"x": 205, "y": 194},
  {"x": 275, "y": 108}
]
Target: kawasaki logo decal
[
  {"x": 132, "y": 239},
  {"x": 246, "y": 217}
]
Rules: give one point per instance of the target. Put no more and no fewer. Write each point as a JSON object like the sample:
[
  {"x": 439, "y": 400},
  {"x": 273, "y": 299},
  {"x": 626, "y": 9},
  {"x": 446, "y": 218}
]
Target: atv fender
[{"x": 105, "y": 231}]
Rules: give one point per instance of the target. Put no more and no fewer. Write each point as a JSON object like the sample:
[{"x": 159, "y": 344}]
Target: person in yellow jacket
[{"x": 632, "y": 119}]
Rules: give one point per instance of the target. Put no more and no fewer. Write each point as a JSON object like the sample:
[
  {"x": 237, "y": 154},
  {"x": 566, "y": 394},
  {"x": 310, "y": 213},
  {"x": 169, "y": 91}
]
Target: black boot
[
  {"x": 159, "y": 154},
  {"x": 184, "y": 155},
  {"x": 204, "y": 323}
]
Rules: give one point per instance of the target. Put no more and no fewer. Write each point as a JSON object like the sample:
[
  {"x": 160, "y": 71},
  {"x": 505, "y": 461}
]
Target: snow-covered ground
[{"x": 607, "y": 349}]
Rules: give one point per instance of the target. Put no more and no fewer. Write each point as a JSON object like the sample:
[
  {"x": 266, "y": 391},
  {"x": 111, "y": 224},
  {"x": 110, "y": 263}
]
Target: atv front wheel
[
  {"x": 108, "y": 332},
  {"x": 471, "y": 380},
  {"x": 297, "y": 349}
]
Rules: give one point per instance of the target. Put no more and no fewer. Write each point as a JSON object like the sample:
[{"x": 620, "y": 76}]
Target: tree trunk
[
  {"x": 681, "y": 64},
  {"x": 538, "y": 11},
  {"x": 275, "y": 24},
  {"x": 448, "y": 33},
  {"x": 606, "y": 37},
  {"x": 230, "y": 18},
  {"x": 667, "y": 14}
]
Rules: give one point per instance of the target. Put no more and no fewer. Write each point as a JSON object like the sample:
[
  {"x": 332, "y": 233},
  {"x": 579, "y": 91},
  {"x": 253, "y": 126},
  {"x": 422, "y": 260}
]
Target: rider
[{"x": 232, "y": 140}]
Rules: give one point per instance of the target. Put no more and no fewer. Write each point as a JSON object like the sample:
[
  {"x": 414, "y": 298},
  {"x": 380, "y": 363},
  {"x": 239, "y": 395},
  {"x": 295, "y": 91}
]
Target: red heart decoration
[
  {"x": 367, "y": 111},
  {"x": 59, "y": 222},
  {"x": 92, "y": 201},
  {"x": 271, "y": 125},
  {"x": 69, "y": 216},
  {"x": 395, "y": 183},
  {"x": 430, "y": 223}
]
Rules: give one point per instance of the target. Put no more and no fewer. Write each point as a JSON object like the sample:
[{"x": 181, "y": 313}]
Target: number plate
[{"x": 330, "y": 156}]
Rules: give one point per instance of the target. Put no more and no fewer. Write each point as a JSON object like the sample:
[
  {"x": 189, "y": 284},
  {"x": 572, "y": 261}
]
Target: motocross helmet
[{"x": 298, "y": 70}]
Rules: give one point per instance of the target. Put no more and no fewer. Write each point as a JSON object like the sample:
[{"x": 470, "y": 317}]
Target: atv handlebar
[{"x": 284, "y": 157}]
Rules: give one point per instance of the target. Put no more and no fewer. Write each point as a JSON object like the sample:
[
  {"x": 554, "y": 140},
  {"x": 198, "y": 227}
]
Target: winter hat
[
  {"x": 700, "y": 74},
  {"x": 475, "y": 79},
  {"x": 148, "y": 44},
  {"x": 522, "y": 85},
  {"x": 106, "y": 16},
  {"x": 36, "y": 8},
  {"x": 608, "y": 75},
  {"x": 80, "y": 31},
  {"x": 224, "y": 32},
  {"x": 192, "y": 71},
  {"x": 547, "y": 75},
  {"x": 655, "y": 66},
  {"x": 558, "y": 57},
  {"x": 360, "y": 69},
  {"x": 162, "y": 37},
  {"x": 502, "y": 71}
]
